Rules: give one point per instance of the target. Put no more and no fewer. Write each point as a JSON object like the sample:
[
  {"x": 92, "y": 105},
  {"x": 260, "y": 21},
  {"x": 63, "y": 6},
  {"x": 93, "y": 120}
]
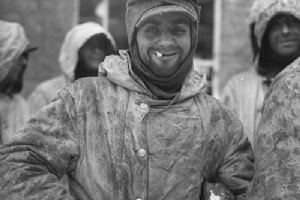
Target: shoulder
[
  {"x": 120, "y": 59},
  {"x": 244, "y": 77},
  {"x": 285, "y": 89},
  {"x": 215, "y": 106},
  {"x": 52, "y": 84},
  {"x": 20, "y": 99},
  {"x": 92, "y": 87},
  {"x": 289, "y": 76},
  {"x": 218, "y": 117}
]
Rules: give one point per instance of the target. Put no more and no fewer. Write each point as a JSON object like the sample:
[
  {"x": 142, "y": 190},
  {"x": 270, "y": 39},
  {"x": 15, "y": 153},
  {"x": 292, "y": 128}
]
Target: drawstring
[{"x": 167, "y": 107}]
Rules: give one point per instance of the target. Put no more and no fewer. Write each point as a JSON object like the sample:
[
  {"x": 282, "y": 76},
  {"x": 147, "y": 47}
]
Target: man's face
[
  {"x": 13, "y": 82},
  {"x": 91, "y": 54},
  {"x": 284, "y": 35},
  {"x": 164, "y": 41}
]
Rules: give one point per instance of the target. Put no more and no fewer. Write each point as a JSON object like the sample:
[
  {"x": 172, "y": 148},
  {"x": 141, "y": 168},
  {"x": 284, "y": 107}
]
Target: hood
[
  {"x": 13, "y": 42},
  {"x": 117, "y": 69},
  {"x": 262, "y": 12},
  {"x": 73, "y": 41},
  {"x": 137, "y": 10}
]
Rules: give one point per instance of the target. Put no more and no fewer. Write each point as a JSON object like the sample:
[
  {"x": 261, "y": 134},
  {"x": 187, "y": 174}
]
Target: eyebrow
[
  {"x": 182, "y": 21},
  {"x": 153, "y": 22}
]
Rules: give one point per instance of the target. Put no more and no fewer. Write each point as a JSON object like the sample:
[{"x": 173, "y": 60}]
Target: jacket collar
[{"x": 117, "y": 70}]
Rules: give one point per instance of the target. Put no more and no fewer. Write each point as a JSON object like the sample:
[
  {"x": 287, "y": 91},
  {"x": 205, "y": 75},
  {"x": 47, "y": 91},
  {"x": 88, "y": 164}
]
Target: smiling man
[
  {"x": 275, "y": 37},
  {"x": 143, "y": 129}
]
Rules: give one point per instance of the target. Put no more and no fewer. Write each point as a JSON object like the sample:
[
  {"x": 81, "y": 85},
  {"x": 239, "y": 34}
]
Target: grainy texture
[
  {"x": 277, "y": 152},
  {"x": 97, "y": 128}
]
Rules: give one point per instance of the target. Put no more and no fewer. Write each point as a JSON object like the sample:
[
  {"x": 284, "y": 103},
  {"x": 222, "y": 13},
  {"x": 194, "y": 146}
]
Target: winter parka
[
  {"x": 277, "y": 157},
  {"x": 116, "y": 142}
]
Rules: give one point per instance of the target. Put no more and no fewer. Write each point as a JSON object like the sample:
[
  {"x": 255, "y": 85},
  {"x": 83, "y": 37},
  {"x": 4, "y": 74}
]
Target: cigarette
[{"x": 158, "y": 54}]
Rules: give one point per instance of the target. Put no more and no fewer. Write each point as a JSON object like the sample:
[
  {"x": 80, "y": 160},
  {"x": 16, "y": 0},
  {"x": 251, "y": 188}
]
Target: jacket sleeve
[
  {"x": 228, "y": 97},
  {"x": 32, "y": 164},
  {"x": 237, "y": 167}
]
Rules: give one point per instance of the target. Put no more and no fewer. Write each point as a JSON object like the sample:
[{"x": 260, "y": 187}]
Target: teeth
[{"x": 158, "y": 54}]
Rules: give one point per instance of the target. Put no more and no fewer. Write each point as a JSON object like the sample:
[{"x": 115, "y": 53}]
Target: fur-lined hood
[{"x": 262, "y": 12}]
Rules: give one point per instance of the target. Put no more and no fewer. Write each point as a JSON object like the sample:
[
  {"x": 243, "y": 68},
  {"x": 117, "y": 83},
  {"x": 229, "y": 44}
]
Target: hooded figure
[
  {"x": 275, "y": 39},
  {"x": 14, "y": 49},
  {"x": 277, "y": 157},
  {"x": 73, "y": 62},
  {"x": 122, "y": 136}
]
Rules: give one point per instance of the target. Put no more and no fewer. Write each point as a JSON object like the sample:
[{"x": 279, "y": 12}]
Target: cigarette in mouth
[{"x": 158, "y": 54}]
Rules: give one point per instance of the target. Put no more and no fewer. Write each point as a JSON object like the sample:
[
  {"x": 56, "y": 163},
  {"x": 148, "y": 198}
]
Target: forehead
[
  {"x": 95, "y": 39},
  {"x": 284, "y": 17},
  {"x": 167, "y": 18}
]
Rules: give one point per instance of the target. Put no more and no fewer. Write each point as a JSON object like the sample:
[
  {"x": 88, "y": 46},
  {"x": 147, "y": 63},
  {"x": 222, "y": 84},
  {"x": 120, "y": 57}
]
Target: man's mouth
[{"x": 160, "y": 54}]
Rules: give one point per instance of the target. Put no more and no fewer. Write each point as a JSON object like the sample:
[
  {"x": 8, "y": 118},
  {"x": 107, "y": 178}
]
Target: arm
[
  {"x": 32, "y": 164},
  {"x": 236, "y": 169}
]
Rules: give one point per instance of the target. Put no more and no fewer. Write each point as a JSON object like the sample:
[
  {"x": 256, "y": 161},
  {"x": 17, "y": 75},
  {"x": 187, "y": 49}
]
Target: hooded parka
[
  {"x": 244, "y": 93},
  {"x": 116, "y": 141},
  {"x": 277, "y": 157},
  {"x": 14, "y": 109},
  {"x": 68, "y": 58}
]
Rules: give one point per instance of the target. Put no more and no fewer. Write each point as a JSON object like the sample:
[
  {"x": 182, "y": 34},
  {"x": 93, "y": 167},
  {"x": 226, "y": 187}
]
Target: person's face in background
[
  {"x": 13, "y": 82},
  {"x": 91, "y": 54},
  {"x": 164, "y": 41},
  {"x": 284, "y": 35}
]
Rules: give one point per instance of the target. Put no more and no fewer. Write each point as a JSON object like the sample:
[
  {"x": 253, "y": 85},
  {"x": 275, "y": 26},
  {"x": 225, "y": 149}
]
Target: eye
[
  {"x": 180, "y": 29},
  {"x": 152, "y": 29}
]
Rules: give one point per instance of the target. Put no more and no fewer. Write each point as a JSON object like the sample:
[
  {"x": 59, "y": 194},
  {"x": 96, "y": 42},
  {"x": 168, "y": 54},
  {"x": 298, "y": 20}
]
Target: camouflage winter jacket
[
  {"x": 117, "y": 142},
  {"x": 277, "y": 153}
]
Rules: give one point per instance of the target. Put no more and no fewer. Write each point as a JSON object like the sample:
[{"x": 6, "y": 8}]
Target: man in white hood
[
  {"x": 84, "y": 48},
  {"x": 275, "y": 36},
  {"x": 143, "y": 129},
  {"x": 14, "y": 52}
]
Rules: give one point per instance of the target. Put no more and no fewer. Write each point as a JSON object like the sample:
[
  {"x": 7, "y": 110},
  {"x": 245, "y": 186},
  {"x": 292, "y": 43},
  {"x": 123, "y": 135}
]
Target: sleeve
[
  {"x": 228, "y": 97},
  {"x": 237, "y": 167},
  {"x": 32, "y": 164},
  {"x": 36, "y": 101},
  {"x": 277, "y": 150}
]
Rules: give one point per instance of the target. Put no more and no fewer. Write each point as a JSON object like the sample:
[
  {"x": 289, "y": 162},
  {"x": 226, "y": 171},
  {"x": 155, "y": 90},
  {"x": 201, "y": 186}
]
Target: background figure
[
  {"x": 275, "y": 37},
  {"x": 84, "y": 48},
  {"x": 277, "y": 153},
  {"x": 142, "y": 129},
  {"x": 14, "y": 53}
]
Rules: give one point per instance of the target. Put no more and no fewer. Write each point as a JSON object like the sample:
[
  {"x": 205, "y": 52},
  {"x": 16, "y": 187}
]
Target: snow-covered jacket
[
  {"x": 68, "y": 59},
  {"x": 277, "y": 157},
  {"x": 116, "y": 142},
  {"x": 244, "y": 93}
]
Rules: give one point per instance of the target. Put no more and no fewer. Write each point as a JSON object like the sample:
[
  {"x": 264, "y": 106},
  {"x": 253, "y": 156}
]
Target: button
[
  {"x": 138, "y": 199},
  {"x": 144, "y": 106},
  {"x": 141, "y": 152}
]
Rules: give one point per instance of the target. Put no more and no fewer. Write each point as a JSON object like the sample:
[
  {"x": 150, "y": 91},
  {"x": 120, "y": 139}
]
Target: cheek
[
  {"x": 185, "y": 44},
  {"x": 143, "y": 45},
  {"x": 297, "y": 31},
  {"x": 273, "y": 37}
]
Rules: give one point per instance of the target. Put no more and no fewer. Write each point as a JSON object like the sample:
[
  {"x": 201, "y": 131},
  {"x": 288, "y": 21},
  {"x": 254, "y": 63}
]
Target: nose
[
  {"x": 285, "y": 29},
  {"x": 166, "y": 39}
]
